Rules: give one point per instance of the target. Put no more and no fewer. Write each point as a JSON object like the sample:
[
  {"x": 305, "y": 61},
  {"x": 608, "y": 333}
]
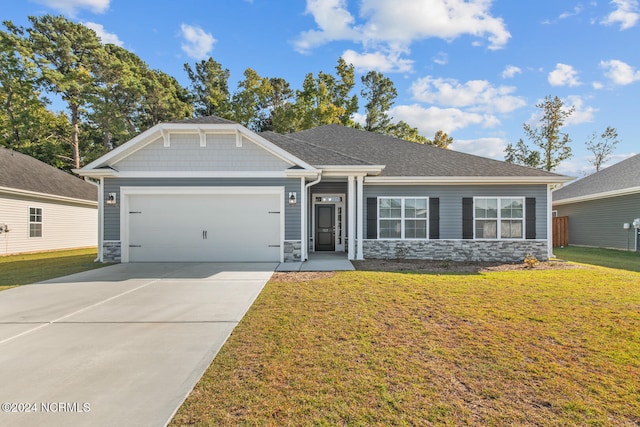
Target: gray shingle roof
[
  {"x": 622, "y": 175},
  {"x": 23, "y": 172},
  {"x": 326, "y": 144}
]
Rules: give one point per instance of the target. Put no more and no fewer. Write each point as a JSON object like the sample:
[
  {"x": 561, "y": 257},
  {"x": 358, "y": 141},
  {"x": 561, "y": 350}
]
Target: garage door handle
[
  {"x": 274, "y": 246},
  {"x": 204, "y": 234},
  {"x": 135, "y": 246}
]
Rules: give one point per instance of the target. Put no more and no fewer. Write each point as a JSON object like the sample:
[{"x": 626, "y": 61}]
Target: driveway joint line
[{"x": 60, "y": 319}]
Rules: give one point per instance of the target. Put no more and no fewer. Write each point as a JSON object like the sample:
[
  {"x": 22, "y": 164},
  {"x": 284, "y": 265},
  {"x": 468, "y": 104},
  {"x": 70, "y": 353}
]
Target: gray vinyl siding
[
  {"x": 600, "y": 222},
  {"x": 328, "y": 187},
  {"x": 451, "y": 201},
  {"x": 112, "y": 213},
  {"x": 185, "y": 153}
]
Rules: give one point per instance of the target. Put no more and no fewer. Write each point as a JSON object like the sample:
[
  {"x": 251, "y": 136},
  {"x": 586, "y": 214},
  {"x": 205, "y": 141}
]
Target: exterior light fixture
[
  {"x": 112, "y": 199},
  {"x": 292, "y": 198}
]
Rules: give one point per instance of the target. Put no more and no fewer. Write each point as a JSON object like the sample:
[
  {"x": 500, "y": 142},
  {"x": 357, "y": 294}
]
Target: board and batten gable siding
[
  {"x": 65, "y": 225},
  {"x": 451, "y": 196},
  {"x": 185, "y": 153},
  {"x": 599, "y": 223},
  {"x": 112, "y": 185}
]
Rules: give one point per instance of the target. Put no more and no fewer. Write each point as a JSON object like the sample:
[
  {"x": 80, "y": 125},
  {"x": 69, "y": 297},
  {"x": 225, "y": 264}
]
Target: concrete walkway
[
  {"x": 118, "y": 346},
  {"x": 320, "y": 261}
]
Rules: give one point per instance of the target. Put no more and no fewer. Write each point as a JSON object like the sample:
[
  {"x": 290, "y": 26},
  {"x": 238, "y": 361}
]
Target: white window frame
[
  {"x": 499, "y": 218},
  {"x": 38, "y": 213},
  {"x": 403, "y": 219}
]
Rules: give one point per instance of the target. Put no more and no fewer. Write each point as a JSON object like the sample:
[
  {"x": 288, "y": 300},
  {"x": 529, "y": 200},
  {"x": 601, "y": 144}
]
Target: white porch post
[
  {"x": 304, "y": 244},
  {"x": 549, "y": 223},
  {"x": 351, "y": 217},
  {"x": 359, "y": 224}
]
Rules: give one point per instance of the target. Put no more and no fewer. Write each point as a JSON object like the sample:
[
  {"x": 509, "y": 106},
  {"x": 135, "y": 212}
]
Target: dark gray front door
[{"x": 325, "y": 228}]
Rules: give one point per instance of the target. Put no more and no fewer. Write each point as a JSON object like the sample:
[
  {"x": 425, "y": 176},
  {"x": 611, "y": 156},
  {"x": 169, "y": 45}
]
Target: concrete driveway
[{"x": 118, "y": 346}]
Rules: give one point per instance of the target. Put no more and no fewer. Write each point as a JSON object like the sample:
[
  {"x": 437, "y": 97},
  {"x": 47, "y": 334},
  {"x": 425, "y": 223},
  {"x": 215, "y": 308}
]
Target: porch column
[
  {"x": 304, "y": 235},
  {"x": 359, "y": 223},
  {"x": 351, "y": 217}
]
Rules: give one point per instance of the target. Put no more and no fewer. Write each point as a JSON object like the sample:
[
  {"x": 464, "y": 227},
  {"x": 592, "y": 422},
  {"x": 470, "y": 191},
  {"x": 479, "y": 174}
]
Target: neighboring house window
[
  {"x": 35, "y": 222},
  {"x": 499, "y": 217},
  {"x": 402, "y": 217}
]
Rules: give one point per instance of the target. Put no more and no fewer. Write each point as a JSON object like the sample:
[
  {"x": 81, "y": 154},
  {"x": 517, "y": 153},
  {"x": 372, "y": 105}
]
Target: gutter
[{"x": 305, "y": 230}]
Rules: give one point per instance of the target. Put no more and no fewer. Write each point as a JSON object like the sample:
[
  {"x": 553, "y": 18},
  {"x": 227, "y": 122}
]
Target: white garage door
[{"x": 204, "y": 227}]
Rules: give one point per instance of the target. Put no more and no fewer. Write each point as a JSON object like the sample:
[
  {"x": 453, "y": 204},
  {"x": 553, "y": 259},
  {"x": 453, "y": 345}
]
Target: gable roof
[
  {"x": 26, "y": 174},
  {"x": 614, "y": 180},
  {"x": 337, "y": 145}
]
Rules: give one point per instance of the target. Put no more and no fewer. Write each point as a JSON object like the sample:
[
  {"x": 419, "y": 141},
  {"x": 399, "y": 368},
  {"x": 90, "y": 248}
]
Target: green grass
[
  {"x": 611, "y": 258},
  {"x": 528, "y": 348},
  {"x": 18, "y": 270}
]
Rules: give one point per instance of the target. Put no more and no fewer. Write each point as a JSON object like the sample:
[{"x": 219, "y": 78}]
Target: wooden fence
[{"x": 560, "y": 231}]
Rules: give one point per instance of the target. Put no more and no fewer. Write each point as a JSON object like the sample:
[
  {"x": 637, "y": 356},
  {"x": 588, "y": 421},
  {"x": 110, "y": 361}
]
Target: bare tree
[{"x": 602, "y": 146}]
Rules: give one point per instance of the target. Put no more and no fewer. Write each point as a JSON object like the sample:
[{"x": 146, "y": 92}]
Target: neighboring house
[
  {"x": 209, "y": 189},
  {"x": 43, "y": 208},
  {"x": 599, "y": 206}
]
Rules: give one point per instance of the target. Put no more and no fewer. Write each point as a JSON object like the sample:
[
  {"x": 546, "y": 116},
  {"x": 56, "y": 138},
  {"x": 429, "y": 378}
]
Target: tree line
[{"x": 111, "y": 95}]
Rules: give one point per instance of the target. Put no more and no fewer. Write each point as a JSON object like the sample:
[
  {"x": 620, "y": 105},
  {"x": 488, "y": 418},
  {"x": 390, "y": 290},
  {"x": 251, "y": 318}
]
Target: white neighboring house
[{"x": 43, "y": 208}]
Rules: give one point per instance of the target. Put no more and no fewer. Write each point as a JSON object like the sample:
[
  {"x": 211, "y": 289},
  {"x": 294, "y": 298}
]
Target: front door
[{"x": 325, "y": 228}]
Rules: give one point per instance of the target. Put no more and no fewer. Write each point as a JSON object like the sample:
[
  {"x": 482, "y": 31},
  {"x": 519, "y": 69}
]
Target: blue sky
[{"x": 475, "y": 69}]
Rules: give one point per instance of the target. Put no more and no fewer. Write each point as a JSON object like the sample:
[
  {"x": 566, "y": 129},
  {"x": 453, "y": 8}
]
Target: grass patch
[
  {"x": 372, "y": 348},
  {"x": 611, "y": 258},
  {"x": 18, "y": 270}
]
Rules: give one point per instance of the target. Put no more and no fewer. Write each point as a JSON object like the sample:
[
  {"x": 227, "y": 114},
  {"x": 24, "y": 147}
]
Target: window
[
  {"x": 402, "y": 217},
  {"x": 499, "y": 218},
  {"x": 35, "y": 222}
]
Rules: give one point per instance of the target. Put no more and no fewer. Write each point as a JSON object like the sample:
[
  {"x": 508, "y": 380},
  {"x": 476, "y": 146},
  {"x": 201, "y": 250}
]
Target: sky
[{"x": 475, "y": 69}]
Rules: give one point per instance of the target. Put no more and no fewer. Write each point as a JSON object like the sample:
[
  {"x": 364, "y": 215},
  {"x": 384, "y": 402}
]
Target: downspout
[
  {"x": 305, "y": 222},
  {"x": 100, "y": 217}
]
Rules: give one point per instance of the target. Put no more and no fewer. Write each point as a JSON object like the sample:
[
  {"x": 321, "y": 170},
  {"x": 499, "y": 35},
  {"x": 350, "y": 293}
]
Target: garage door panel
[{"x": 200, "y": 228}]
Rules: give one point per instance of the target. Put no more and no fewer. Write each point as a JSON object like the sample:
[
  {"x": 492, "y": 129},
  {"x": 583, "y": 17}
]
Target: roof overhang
[
  {"x": 52, "y": 197},
  {"x": 467, "y": 180},
  {"x": 100, "y": 167},
  {"x": 602, "y": 195},
  {"x": 350, "y": 170}
]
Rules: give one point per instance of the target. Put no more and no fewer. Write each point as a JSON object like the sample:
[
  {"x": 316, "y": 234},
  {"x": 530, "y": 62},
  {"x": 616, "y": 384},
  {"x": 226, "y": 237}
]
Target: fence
[{"x": 560, "y": 231}]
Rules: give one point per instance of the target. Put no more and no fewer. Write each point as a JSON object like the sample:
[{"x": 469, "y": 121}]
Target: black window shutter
[
  {"x": 372, "y": 218},
  {"x": 530, "y": 217},
  {"x": 467, "y": 217},
  {"x": 434, "y": 218}
]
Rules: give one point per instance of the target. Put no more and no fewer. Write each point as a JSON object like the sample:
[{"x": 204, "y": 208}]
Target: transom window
[
  {"x": 35, "y": 222},
  {"x": 402, "y": 217},
  {"x": 499, "y": 217}
]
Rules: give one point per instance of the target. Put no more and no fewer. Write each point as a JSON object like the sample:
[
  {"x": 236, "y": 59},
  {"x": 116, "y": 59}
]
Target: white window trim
[
  {"x": 36, "y": 222},
  {"x": 402, "y": 218},
  {"x": 499, "y": 218}
]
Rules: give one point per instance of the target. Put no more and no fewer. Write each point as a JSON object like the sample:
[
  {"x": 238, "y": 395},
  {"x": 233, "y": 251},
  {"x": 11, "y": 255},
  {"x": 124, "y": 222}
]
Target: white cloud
[
  {"x": 485, "y": 147},
  {"x": 597, "y": 85},
  {"x": 564, "y": 75},
  {"x": 71, "y": 7},
  {"x": 105, "y": 36},
  {"x": 441, "y": 58},
  {"x": 582, "y": 113},
  {"x": 393, "y": 26},
  {"x": 510, "y": 71},
  {"x": 625, "y": 13},
  {"x": 478, "y": 95},
  {"x": 432, "y": 119},
  {"x": 377, "y": 61},
  {"x": 620, "y": 73},
  {"x": 198, "y": 43},
  {"x": 576, "y": 11}
]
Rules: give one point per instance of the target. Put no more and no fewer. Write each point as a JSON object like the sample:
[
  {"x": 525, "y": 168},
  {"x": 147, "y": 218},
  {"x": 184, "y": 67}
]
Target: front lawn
[
  {"x": 555, "y": 347},
  {"x": 611, "y": 258},
  {"x": 30, "y": 268}
]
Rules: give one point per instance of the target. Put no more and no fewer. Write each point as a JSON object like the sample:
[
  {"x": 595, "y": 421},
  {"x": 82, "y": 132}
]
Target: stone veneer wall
[
  {"x": 292, "y": 251},
  {"x": 111, "y": 251},
  {"x": 456, "y": 250}
]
